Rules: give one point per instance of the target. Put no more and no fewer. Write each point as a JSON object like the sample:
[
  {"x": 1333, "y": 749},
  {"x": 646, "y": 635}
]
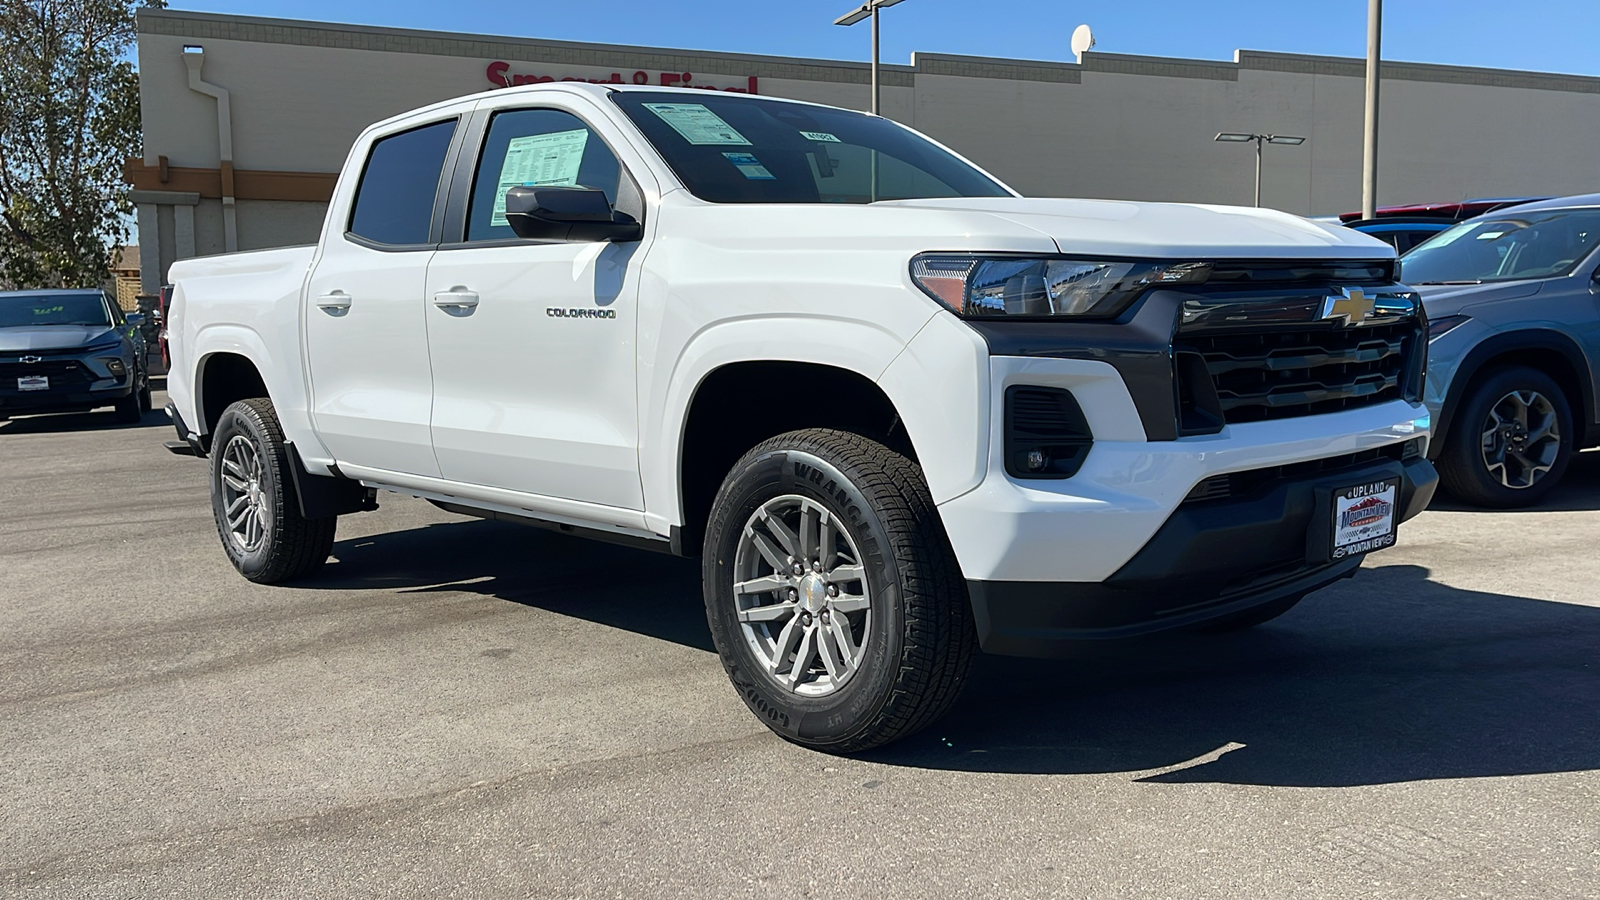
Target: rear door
[
  {"x": 533, "y": 342},
  {"x": 365, "y": 326}
]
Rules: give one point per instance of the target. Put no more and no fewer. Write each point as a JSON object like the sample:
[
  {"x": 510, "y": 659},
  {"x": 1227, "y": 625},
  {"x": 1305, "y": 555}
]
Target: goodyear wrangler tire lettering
[{"x": 912, "y": 652}]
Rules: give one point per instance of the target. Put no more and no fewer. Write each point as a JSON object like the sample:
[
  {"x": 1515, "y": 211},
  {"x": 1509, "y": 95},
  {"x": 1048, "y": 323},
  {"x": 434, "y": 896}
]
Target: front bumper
[
  {"x": 29, "y": 402},
  {"x": 1209, "y": 560}
]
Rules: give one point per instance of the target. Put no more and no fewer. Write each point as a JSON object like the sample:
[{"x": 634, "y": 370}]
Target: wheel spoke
[
  {"x": 790, "y": 542},
  {"x": 233, "y": 507},
  {"x": 846, "y": 643},
  {"x": 770, "y": 553},
  {"x": 808, "y": 532},
  {"x": 803, "y": 657},
  {"x": 830, "y": 655},
  {"x": 767, "y": 613},
  {"x": 846, "y": 574},
  {"x": 849, "y": 603},
  {"x": 232, "y": 465},
  {"x": 783, "y": 643},
  {"x": 825, "y": 542},
  {"x": 232, "y": 482},
  {"x": 236, "y": 520},
  {"x": 766, "y": 584}
]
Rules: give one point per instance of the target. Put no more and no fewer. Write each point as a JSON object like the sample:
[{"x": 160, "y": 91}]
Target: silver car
[{"x": 1513, "y": 302}]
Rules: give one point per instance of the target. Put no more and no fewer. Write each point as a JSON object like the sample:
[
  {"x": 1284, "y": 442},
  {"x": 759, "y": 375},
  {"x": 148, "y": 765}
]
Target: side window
[
  {"x": 535, "y": 147},
  {"x": 394, "y": 202}
]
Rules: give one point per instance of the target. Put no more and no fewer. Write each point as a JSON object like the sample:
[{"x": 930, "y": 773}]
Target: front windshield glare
[
  {"x": 729, "y": 149},
  {"x": 1537, "y": 244},
  {"x": 53, "y": 309}
]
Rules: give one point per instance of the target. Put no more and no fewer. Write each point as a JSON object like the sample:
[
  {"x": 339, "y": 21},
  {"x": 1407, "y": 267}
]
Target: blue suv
[
  {"x": 70, "y": 351},
  {"x": 1513, "y": 303}
]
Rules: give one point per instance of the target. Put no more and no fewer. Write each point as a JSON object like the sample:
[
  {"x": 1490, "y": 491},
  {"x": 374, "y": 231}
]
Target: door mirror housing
[
  {"x": 560, "y": 213},
  {"x": 134, "y": 318}
]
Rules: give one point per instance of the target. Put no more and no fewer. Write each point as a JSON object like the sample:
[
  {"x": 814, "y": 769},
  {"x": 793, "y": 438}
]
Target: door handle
[
  {"x": 457, "y": 298},
  {"x": 334, "y": 300}
]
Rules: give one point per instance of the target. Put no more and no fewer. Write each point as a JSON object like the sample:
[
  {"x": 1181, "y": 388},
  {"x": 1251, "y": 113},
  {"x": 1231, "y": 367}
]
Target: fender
[
  {"x": 861, "y": 347},
  {"x": 284, "y": 386},
  {"x": 1512, "y": 341}
]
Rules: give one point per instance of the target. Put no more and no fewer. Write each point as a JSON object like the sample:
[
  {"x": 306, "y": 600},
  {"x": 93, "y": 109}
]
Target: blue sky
[{"x": 1541, "y": 35}]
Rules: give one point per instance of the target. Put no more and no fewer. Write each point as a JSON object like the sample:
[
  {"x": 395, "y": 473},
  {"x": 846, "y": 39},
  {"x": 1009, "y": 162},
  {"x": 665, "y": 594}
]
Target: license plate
[
  {"x": 33, "y": 383},
  {"x": 1364, "y": 517}
]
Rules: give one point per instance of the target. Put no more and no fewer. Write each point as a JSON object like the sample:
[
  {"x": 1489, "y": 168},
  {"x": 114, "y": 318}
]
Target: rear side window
[{"x": 394, "y": 202}]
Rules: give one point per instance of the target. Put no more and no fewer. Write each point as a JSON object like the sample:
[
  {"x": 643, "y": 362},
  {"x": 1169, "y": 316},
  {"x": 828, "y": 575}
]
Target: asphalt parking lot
[{"x": 465, "y": 708}]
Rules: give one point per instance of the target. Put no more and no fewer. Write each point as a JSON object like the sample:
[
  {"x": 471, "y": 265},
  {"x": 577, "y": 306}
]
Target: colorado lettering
[{"x": 555, "y": 313}]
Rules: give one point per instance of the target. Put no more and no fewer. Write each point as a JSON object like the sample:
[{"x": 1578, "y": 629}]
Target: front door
[
  {"x": 533, "y": 342},
  {"x": 366, "y": 326}
]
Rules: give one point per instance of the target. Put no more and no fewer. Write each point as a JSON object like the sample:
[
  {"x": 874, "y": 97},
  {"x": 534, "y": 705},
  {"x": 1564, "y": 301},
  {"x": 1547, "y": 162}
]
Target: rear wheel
[
  {"x": 833, "y": 596},
  {"x": 252, "y": 499},
  {"x": 144, "y": 394},
  {"x": 1510, "y": 441}
]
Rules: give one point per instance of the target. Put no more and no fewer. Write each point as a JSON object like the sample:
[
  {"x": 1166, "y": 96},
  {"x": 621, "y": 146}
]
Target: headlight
[
  {"x": 101, "y": 346},
  {"x": 1442, "y": 326},
  {"x": 979, "y": 287}
]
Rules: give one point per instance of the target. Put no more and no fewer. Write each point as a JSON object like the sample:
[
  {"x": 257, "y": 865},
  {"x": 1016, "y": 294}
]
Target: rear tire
[
  {"x": 253, "y": 501},
  {"x": 1510, "y": 440},
  {"x": 853, "y": 627}
]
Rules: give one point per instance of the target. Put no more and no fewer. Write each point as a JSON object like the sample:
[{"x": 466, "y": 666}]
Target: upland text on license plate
[{"x": 1364, "y": 517}]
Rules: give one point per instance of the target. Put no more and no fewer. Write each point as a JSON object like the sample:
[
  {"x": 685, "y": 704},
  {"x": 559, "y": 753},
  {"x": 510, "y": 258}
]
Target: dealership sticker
[
  {"x": 697, "y": 124},
  {"x": 1363, "y": 518},
  {"x": 820, "y": 136},
  {"x": 750, "y": 167},
  {"x": 538, "y": 160}
]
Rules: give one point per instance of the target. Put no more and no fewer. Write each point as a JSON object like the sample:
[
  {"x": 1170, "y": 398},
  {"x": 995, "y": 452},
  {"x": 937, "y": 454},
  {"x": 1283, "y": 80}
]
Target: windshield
[
  {"x": 1541, "y": 243},
  {"x": 729, "y": 149},
  {"x": 53, "y": 309}
]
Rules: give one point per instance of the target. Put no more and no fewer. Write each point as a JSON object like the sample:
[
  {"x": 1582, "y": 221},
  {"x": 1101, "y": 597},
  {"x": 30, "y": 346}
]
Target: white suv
[{"x": 898, "y": 410}]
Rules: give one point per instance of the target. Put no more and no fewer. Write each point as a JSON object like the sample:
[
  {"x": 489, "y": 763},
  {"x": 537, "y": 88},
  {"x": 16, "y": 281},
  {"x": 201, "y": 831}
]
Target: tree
[{"x": 69, "y": 120}]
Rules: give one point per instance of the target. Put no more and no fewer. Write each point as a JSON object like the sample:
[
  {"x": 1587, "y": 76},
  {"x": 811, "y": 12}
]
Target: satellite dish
[{"x": 1082, "y": 40}]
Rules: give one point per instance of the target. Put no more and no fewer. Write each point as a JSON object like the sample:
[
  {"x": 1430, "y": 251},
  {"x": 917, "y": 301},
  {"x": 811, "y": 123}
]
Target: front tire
[
  {"x": 253, "y": 501},
  {"x": 1510, "y": 441},
  {"x": 127, "y": 409},
  {"x": 834, "y": 599}
]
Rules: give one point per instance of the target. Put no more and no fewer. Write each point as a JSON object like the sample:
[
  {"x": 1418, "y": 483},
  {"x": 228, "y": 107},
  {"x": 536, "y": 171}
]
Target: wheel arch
[
  {"x": 224, "y": 377},
  {"x": 712, "y": 441},
  {"x": 1546, "y": 350}
]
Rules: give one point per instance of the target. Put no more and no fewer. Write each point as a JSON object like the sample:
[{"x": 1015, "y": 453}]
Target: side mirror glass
[
  {"x": 567, "y": 214},
  {"x": 135, "y": 319}
]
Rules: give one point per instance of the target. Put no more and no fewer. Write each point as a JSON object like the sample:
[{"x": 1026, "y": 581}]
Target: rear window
[
  {"x": 394, "y": 202},
  {"x": 733, "y": 149}
]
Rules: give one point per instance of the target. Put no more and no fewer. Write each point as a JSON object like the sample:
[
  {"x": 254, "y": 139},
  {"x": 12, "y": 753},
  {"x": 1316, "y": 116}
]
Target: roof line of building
[{"x": 220, "y": 26}]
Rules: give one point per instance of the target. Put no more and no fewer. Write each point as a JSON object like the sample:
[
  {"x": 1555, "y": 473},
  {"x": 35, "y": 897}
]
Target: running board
[{"x": 653, "y": 544}]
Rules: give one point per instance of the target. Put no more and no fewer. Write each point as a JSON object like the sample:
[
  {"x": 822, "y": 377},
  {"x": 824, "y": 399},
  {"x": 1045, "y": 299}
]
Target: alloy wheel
[
  {"x": 801, "y": 595},
  {"x": 244, "y": 501},
  {"x": 1521, "y": 439}
]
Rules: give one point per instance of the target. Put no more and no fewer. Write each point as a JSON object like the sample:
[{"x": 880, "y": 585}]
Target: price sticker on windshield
[{"x": 697, "y": 124}]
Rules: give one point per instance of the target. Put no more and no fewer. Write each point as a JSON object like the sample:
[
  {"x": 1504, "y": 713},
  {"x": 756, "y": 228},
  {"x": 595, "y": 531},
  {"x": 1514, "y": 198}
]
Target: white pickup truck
[{"x": 900, "y": 411}]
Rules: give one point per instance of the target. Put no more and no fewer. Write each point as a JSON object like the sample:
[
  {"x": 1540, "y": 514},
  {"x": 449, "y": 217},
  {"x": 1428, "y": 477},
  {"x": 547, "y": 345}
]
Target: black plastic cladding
[{"x": 1242, "y": 298}]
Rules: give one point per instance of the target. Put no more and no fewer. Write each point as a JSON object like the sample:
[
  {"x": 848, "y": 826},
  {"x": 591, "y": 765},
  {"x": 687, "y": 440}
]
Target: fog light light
[
  {"x": 1037, "y": 460},
  {"x": 116, "y": 367}
]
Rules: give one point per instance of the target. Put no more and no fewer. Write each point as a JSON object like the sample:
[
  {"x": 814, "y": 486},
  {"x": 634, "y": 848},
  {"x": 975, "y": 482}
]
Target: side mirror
[
  {"x": 567, "y": 214},
  {"x": 134, "y": 318}
]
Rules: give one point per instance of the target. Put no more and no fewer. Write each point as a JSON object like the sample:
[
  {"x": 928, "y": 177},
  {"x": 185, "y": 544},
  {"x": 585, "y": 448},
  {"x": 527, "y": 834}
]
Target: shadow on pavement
[
  {"x": 1578, "y": 491},
  {"x": 97, "y": 420},
  {"x": 1388, "y": 677}
]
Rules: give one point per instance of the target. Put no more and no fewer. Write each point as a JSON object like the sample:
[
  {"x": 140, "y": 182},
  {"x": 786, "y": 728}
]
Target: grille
[
  {"x": 1263, "y": 375},
  {"x": 61, "y": 372}
]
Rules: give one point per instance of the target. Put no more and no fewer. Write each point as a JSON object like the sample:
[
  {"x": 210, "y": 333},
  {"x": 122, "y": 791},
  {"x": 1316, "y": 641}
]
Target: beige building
[{"x": 245, "y": 130}]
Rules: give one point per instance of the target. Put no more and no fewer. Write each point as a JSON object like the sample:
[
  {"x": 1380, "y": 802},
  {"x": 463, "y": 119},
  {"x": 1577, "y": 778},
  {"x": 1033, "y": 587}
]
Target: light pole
[
  {"x": 1231, "y": 137},
  {"x": 868, "y": 9},
  {"x": 1369, "y": 147}
]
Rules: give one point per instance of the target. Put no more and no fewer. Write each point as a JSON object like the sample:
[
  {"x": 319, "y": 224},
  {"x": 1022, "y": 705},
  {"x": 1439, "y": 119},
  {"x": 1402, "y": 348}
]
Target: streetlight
[
  {"x": 1229, "y": 137},
  {"x": 1369, "y": 144},
  {"x": 868, "y": 9}
]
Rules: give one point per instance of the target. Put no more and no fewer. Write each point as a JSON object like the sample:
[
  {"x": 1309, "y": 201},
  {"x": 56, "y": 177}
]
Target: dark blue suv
[{"x": 70, "y": 351}]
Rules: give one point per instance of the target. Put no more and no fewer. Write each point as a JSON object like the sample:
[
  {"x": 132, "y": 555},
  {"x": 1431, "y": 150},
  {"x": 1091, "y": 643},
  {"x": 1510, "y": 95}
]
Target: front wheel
[
  {"x": 253, "y": 501},
  {"x": 833, "y": 596},
  {"x": 1510, "y": 441}
]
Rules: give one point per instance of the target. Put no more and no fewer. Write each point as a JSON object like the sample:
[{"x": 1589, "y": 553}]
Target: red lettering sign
[{"x": 500, "y": 75}]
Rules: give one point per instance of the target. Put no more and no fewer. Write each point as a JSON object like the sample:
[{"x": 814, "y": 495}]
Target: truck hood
[
  {"x": 1442, "y": 300},
  {"x": 1170, "y": 230},
  {"x": 52, "y": 337}
]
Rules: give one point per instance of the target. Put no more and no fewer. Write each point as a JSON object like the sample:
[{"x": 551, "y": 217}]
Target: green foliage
[{"x": 69, "y": 120}]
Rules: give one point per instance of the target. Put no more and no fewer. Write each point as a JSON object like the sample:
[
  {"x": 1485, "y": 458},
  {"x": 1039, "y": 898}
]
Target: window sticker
[
  {"x": 697, "y": 124},
  {"x": 750, "y": 167},
  {"x": 539, "y": 159},
  {"x": 820, "y": 136}
]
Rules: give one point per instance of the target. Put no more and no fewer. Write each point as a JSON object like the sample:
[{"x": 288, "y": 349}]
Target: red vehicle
[
  {"x": 1459, "y": 211},
  {"x": 161, "y": 312}
]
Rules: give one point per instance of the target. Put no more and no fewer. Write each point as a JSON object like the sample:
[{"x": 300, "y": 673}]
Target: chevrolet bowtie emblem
[
  {"x": 1350, "y": 304},
  {"x": 32, "y": 359}
]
